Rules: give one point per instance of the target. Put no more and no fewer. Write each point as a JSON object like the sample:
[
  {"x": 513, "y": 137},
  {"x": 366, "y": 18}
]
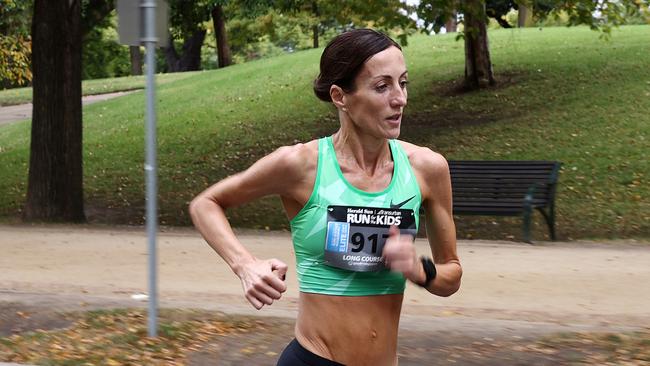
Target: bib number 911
[
  {"x": 356, "y": 235},
  {"x": 358, "y": 241}
]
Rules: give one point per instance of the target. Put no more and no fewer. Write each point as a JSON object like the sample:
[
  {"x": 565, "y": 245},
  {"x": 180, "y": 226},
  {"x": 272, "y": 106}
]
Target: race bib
[{"x": 356, "y": 235}]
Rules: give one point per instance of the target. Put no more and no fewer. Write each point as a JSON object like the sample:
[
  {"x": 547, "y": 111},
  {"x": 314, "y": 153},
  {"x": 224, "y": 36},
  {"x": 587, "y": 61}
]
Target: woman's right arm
[{"x": 281, "y": 172}]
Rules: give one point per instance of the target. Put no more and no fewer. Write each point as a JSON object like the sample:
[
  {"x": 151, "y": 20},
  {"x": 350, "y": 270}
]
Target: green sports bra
[{"x": 339, "y": 234}]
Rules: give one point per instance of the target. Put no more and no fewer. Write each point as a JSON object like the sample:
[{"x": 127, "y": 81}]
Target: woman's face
[{"x": 376, "y": 105}]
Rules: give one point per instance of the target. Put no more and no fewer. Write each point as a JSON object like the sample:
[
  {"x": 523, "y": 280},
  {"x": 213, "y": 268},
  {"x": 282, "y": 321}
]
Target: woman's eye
[
  {"x": 404, "y": 83},
  {"x": 381, "y": 87}
]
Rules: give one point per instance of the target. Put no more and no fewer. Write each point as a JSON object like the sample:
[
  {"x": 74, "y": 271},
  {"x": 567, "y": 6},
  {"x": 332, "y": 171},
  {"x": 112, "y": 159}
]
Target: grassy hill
[{"x": 563, "y": 94}]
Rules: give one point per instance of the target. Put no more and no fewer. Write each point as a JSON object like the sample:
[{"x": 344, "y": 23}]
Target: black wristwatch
[{"x": 429, "y": 271}]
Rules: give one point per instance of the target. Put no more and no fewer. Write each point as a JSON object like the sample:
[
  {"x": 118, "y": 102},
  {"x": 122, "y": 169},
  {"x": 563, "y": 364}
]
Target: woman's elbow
[
  {"x": 197, "y": 207},
  {"x": 452, "y": 284},
  {"x": 450, "y": 290}
]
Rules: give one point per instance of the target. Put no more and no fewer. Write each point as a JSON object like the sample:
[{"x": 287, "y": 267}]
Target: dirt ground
[{"x": 512, "y": 294}]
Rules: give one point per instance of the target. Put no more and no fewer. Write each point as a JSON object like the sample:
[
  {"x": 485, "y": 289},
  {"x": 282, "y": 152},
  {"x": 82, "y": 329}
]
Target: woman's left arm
[
  {"x": 432, "y": 173},
  {"x": 435, "y": 184}
]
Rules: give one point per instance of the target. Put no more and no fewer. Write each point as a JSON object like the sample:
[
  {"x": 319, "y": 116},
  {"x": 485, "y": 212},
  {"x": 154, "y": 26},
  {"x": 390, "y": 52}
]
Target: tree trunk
[
  {"x": 525, "y": 17},
  {"x": 314, "y": 28},
  {"x": 136, "y": 60},
  {"x": 478, "y": 66},
  {"x": 171, "y": 56},
  {"x": 223, "y": 50},
  {"x": 55, "y": 183},
  {"x": 190, "y": 58},
  {"x": 451, "y": 26}
]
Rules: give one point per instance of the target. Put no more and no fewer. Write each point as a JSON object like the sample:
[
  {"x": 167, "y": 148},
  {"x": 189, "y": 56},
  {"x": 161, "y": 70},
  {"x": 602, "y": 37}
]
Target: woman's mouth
[{"x": 395, "y": 117}]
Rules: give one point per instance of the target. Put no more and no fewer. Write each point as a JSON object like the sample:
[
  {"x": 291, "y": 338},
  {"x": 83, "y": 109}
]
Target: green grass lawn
[{"x": 563, "y": 94}]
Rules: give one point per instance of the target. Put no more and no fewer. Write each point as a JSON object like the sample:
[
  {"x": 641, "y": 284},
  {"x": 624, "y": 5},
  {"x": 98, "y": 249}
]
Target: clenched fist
[
  {"x": 263, "y": 281},
  {"x": 400, "y": 256}
]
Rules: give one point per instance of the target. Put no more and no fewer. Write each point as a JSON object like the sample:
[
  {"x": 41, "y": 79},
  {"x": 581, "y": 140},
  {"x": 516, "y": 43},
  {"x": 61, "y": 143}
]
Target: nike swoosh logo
[{"x": 399, "y": 204}]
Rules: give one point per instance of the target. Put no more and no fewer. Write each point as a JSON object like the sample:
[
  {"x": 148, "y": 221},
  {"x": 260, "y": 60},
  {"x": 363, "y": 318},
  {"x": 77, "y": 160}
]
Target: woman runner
[{"x": 353, "y": 200}]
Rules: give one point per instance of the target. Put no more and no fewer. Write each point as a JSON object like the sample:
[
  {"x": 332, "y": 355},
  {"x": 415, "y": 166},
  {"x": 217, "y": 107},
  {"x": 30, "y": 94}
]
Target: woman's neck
[{"x": 368, "y": 152}]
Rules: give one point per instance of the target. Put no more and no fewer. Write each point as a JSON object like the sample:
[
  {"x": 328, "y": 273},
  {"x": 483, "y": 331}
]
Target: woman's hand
[
  {"x": 263, "y": 281},
  {"x": 400, "y": 256}
]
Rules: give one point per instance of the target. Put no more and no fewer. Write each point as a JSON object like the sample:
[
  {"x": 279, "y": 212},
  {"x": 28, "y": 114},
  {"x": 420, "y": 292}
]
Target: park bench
[{"x": 505, "y": 188}]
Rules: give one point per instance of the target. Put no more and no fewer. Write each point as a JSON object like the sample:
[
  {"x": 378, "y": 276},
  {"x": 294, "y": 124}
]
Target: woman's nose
[{"x": 398, "y": 99}]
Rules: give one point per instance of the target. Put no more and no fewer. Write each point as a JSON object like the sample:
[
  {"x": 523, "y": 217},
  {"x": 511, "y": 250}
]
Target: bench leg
[
  {"x": 527, "y": 215},
  {"x": 551, "y": 226},
  {"x": 550, "y": 222}
]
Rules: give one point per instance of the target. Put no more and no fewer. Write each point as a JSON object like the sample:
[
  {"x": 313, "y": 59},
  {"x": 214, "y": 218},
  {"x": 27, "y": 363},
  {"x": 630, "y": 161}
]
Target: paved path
[
  {"x": 511, "y": 293},
  {"x": 504, "y": 284},
  {"x": 22, "y": 112}
]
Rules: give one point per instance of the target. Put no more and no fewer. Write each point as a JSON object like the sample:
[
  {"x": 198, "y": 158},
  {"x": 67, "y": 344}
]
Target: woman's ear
[{"x": 338, "y": 97}]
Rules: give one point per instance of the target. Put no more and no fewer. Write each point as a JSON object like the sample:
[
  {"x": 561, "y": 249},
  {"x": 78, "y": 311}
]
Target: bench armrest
[{"x": 528, "y": 198}]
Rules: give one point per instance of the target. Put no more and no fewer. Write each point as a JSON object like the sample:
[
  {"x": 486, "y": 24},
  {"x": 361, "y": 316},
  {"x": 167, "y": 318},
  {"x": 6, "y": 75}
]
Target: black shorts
[{"x": 297, "y": 355}]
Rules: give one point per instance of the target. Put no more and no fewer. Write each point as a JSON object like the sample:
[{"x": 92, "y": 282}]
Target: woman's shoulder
[
  {"x": 286, "y": 168},
  {"x": 299, "y": 151},
  {"x": 297, "y": 157},
  {"x": 430, "y": 168},
  {"x": 425, "y": 160}
]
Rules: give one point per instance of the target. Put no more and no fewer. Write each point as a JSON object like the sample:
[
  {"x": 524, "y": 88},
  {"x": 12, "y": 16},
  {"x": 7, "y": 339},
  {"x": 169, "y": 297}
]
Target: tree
[
  {"x": 598, "y": 14},
  {"x": 15, "y": 53},
  {"x": 246, "y": 9},
  {"x": 451, "y": 24},
  {"x": 190, "y": 57},
  {"x": 473, "y": 15},
  {"x": 314, "y": 28},
  {"x": 187, "y": 24},
  {"x": 55, "y": 189},
  {"x": 102, "y": 56},
  {"x": 135, "y": 56},
  {"x": 524, "y": 16},
  {"x": 223, "y": 49},
  {"x": 386, "y": 15},
  {"x": 497, "y": 9},
  {"x": 55, "y": 182},
  {"x": 15, "y": 43},
  {"x": 478, "y": 65}
]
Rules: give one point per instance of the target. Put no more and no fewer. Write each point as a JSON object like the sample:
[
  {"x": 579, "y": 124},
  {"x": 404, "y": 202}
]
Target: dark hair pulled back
[{"x": 344, "y": 56}]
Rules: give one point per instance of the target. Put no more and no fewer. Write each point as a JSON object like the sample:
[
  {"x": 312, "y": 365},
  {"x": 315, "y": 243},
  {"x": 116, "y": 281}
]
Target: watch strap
[{"x": 429, "y": 270}]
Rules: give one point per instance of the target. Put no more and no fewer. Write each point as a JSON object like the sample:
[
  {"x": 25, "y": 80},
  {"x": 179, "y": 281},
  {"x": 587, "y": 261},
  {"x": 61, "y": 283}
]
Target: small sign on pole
[
  {"x": 144, "y": 22},
  {"x": 131, "y": 25}
]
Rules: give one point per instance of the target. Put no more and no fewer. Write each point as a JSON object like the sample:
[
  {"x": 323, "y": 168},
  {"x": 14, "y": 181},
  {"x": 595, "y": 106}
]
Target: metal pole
[{"x": 149, "y": 39}]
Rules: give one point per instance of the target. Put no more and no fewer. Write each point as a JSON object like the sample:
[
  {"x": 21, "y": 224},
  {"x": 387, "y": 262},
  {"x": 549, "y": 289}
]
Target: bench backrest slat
[{"x": 506, "y": 180}]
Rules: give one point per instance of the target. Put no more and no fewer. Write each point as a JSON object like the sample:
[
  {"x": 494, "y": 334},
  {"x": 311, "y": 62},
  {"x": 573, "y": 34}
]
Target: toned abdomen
[{"x": 353, "y": 330}]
